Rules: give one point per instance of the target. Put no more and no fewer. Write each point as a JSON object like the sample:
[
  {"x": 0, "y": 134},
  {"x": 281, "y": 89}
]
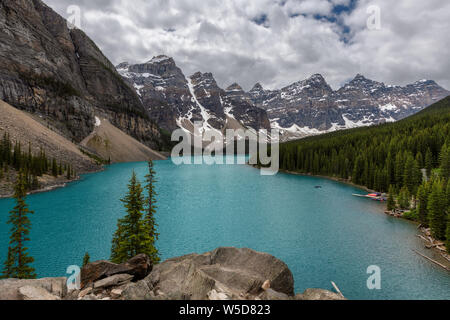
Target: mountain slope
[
  {"x": 175, "y": 101},
  {"x": 60, "y": 74},
  {"x": 22, "y": 128},
  {"x": 376, "y": 157},
  {"x": 114, "y": 145},
  {"x": 312, "y": 107}
]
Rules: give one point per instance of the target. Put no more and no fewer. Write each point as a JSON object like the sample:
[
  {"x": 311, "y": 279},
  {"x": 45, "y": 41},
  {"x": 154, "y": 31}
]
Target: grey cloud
[{"x": 221, "y": 37}]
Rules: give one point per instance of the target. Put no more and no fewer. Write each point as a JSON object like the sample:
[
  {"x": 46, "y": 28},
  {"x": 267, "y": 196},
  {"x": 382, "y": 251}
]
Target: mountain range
[
  {"x": 57, "y": 74},
  {"x": 174, "y": 101},
  {"x": 306, "y": 107}
]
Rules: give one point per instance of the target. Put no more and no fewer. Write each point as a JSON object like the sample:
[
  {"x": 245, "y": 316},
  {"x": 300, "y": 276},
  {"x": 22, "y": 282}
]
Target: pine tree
[
  {"x": 54, "y": 168},
  {"x": 34, "y": 183},
  {"x": 419, "y": 159},
  {"x": 447, "y": 196},
  {"x": 447, "y": 243},
  {"x": 408, "y": 173},
  {"x": 445, "y": 162},
  {"x": 437, "y": 211},
  {"x": 86, "y": 259},
  {"x": 422, "y": 208},
  {"x": 132, "y": 236},
  {"x": 69, "y": 172},
  {"x": 18, "y": 262},
  {"x": 8, "y": 269},
  {"x": 399, "y": 169},
  {"x": 404, "y": 199},
  {"x": 447, "y": 235},
  {"x": 429, "y": 162},
  {"x": 417, "y": 177},
  {"x": 150, "y": 221},
  {"x": 391, "y": 205}
]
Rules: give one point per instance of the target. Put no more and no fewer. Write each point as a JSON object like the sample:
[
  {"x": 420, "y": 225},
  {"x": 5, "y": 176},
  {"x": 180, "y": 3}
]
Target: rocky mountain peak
[
  {"x": 314, "y": 87},
  {"x": 311, "y": 106},
  {"x": 359, "y": 76},
  {"x": 257, "y": 87},
  {"x": 425, "y": 83},
  {"x": 235, "y": 87},
  {"x": 123, "y": 65},
  {"x": 175, "y": 101},
  {"x": 160, "y": 72},
  {"x": 317, "y": 78},
  {"x": 204, "y": 80},
  {"x": 360, "y": 80},
  {"x": 157, "y": 65},
  {"x": 257, "y": 90},
  {"x": 161, "y": 59}
]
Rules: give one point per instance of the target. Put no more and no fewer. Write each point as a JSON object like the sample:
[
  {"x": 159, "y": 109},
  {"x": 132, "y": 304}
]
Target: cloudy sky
[{"x": 276, "y": 42}]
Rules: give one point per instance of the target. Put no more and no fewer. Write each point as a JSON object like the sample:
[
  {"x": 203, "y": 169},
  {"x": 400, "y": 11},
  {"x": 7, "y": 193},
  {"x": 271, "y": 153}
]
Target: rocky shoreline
[
  {"x": 50, "y": 184},
  {"x": 332, "y": 179},
  {"x": 222, "y": 274}
]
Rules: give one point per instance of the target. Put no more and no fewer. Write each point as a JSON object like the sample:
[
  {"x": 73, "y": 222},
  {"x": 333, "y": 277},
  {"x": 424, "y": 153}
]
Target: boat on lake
[{"x": 374, "y": 196}]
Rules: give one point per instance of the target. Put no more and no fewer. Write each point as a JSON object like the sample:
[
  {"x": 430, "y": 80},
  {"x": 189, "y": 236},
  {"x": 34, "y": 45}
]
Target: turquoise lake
[{"x": 322, "y": 234}]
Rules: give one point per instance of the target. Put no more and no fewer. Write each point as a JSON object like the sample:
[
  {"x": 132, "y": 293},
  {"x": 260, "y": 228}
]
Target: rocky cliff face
[
  {"x": 59, "y": 74},
  {"x": 176, "y": 101},
  {"x": 312, "y": 107}
]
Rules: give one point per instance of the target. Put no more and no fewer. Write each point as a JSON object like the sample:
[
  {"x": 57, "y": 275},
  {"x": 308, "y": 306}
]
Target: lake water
[{"x": 322, "y": 234}]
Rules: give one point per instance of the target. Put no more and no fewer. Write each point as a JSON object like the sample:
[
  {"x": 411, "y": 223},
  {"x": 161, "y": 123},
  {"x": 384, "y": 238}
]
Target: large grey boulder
[
  {"x": 36, "y": 293},
  {"x": 231, "y": 272},
  {"x": 13, "y": 289},
  {"x": 139, "y": 267},
  {"x": 319, "y": 294},
  {"x": 115, "y": 280},
  {"x": 223, "y": 274},
  {"x": 138, "y": 291},
  {"x": 271, "y": 294}
]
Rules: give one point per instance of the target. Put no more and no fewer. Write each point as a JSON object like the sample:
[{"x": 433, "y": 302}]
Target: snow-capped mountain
[
  {"x": 312, "y": 107},
  {"x": 175, "y": 101},
  {"x": 303, "y": 108}
]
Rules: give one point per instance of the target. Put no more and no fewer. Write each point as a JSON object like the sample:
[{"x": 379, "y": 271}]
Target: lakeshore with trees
[
  {"x": 136, "y": 232},
  {"x": 14, "y": 158},
  {"x": 410, "y": 159}
]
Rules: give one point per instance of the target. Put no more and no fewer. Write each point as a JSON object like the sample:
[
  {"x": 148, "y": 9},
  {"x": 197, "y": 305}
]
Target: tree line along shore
[{"x": 409, "y": 159}]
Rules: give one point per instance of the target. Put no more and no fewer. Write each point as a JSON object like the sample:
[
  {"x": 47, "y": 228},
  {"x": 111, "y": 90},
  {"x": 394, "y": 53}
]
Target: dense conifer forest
[
  {"x": 410, "y": 159},
  {"x": 15, "y": 158}
]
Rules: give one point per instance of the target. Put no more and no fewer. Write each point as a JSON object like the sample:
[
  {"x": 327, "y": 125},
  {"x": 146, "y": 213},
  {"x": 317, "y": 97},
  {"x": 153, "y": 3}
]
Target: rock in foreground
[
  {"x": 223, "y": 274},
  {"x": 228, "y": 273},
  {"x": 42, "y": 289}
]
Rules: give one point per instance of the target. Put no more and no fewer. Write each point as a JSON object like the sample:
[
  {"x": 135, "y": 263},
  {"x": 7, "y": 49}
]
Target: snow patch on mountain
[
  {"x": 98, "y": 122},
  {"x": 388, "y": 107},
  {"x": 204, "y": 113}
]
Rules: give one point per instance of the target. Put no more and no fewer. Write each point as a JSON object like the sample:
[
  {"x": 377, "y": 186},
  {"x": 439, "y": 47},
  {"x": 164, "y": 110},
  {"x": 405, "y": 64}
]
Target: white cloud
[
  {"x": 286, "y": 45},
  {"x": 322, "y": 7}
]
